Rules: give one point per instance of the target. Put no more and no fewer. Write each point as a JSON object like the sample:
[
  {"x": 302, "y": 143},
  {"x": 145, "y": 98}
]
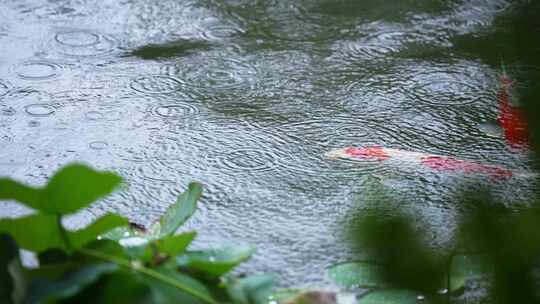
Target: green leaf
[
  {"x": 176, "y": 244},
  {"x": 176, "y": 215},
  {"x": 90, "y": 233},
  {"x": 36, "y": 233},
  {"x": 166, "y": 293},
  {"x": 391, "y": 296},
  {"x": 8, "y": 253},
  {"x": 73, "y": 187},
  {"x": 40, "y": 232},
  {"x": 181, "y": 211},
  {"x": 69, "y": 284},
  {"x": 169, "y": 246},
  {"x": 283, "y": 295},
  {"x": 357, "y": 274},
  {"x": 216, "y": 261},
  {"x": 464, "y": 267},
  {"x": 109, "y": 248},
  {"x": 12, "y": 190},
  {"x": 250, "y": 290}
]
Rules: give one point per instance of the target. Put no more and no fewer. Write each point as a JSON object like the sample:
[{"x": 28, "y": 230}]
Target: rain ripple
[
  {"x": 217, "y": 73},
  {"x": 294, "y": 24},
  {"x": 38, "y": 70},
  {"x": 253, "y": 160},
  {"x": 156, "y": 84},
  {"x": 82, "y": 43},
  {"x": 448, "y": 85},
  {"x": 176, "y": 110},
  {"x": 4, "y": 88},
  {"x": 39, "y": 110}
]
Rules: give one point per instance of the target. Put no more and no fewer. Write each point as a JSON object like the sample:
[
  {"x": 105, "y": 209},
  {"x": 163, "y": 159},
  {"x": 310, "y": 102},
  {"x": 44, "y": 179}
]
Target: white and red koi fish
[
  {"x": 433, "y": 162},
  {"x": 511, "y": 118}
]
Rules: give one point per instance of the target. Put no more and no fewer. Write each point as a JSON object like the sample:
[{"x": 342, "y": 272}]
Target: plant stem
[
  {"x": 63, "y": 233},
  {"x": 147, "y": 271},
  {"x": 449, "y": 276}
]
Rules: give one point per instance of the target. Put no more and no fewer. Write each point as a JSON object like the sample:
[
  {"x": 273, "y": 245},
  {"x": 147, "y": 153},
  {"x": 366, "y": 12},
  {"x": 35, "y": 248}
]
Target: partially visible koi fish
[
  {"x": 433, "y": 162},
  {"x": 511, "y": 118}
]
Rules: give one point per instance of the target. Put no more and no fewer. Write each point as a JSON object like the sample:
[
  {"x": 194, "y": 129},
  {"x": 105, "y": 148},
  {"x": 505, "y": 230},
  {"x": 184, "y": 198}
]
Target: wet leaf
[
  {"x": 73, "y": 187},
  {"x": 176, "y": 244},
  {"x": 463, "y": 268},
  {"x": 69, "y": 284},
  {"x": 176, "y": 215},
  {"x": 357, "y": 274},
  {"x": 391, "y": 296},
  {"x": 36, "y": 233},
  {"x": 284, "y": 294},
  {"x": 76, "y": 186},
  {"x": 156, "y": 250},
  {"x": 181, "y": 211},
  {"x": 40, "y": 232},
  {"x": 106, "y": 223},
  {"x": 250, "y": 290},
  {"x": 166, "y": 293},
  {"x": 216, "y": 261},
  {"x": 8, "y": 253}
]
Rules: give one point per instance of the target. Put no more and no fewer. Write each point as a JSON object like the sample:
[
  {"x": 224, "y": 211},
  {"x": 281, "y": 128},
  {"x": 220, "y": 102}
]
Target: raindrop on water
[
  {"x": 81, "y": 43},
  {"x": 77, "y": 38},
  {"x": 173, "y": 110},
  {"x": 94, "y": 115},
  {"x": 98, "y": 145},
  {"x": 38, "y": 70},
  {"x": 33, "y": 123},
  {"x": 157, "y": 84},
  {"x": 4, "y": 88},
  {"x": 39, "y": 109}
]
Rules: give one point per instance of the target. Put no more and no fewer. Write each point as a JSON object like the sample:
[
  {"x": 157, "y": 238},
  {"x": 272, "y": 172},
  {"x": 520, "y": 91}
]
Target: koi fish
[
  {"x": 511, "y": 118},
  {"x": 433, "y": 162}
]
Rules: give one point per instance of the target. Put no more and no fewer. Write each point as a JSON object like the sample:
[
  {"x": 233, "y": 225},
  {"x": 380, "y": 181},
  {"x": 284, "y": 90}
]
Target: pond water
[{"x": 253, "y": 95}]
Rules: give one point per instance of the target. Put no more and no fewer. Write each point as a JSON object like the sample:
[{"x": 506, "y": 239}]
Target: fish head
[{"x": 336, "y": 153}]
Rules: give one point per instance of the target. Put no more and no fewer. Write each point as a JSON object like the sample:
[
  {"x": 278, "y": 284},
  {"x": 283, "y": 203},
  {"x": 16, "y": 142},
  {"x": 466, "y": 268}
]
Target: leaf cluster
[{"x": 112, "y": 260}]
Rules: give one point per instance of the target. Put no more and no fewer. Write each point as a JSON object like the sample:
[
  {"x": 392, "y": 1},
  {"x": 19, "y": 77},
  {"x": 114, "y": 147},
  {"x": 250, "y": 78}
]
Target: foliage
[
  {"x": 112, "y": 260},
  {"x": 498, "y": 244}
]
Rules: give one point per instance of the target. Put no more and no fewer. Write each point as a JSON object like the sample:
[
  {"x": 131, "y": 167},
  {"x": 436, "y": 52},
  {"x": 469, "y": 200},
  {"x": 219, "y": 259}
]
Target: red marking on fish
[
  {"x": 511, "y": 118},
  {"x": 450, "y": 164},
  {"x": 368, "y": 152}
]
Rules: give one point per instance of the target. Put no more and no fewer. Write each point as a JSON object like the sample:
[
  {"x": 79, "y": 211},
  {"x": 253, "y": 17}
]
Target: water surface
[{"x": 245, "y": 96}]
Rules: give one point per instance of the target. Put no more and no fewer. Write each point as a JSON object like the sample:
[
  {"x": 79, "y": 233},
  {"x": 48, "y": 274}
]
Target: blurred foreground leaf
[
  {"x": 8, "y": 253},
  {"x": 392, "y": 296},
  {"x": 73, "y": 187},
  {"x": 40, "y": 232},
  {"x": 405, "y": 261},
  {"x": 357, "y": 274},
  {"x": 463, "y": 268},
  {"x": 250, "y": 290},
  {"x": 166, "y": 293},
  {"x": 69, "y": 284}
]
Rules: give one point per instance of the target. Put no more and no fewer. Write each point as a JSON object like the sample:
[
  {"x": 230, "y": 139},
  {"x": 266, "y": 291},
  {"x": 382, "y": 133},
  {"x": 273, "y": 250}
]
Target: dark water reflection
[{"x": 249, "y": 106}]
